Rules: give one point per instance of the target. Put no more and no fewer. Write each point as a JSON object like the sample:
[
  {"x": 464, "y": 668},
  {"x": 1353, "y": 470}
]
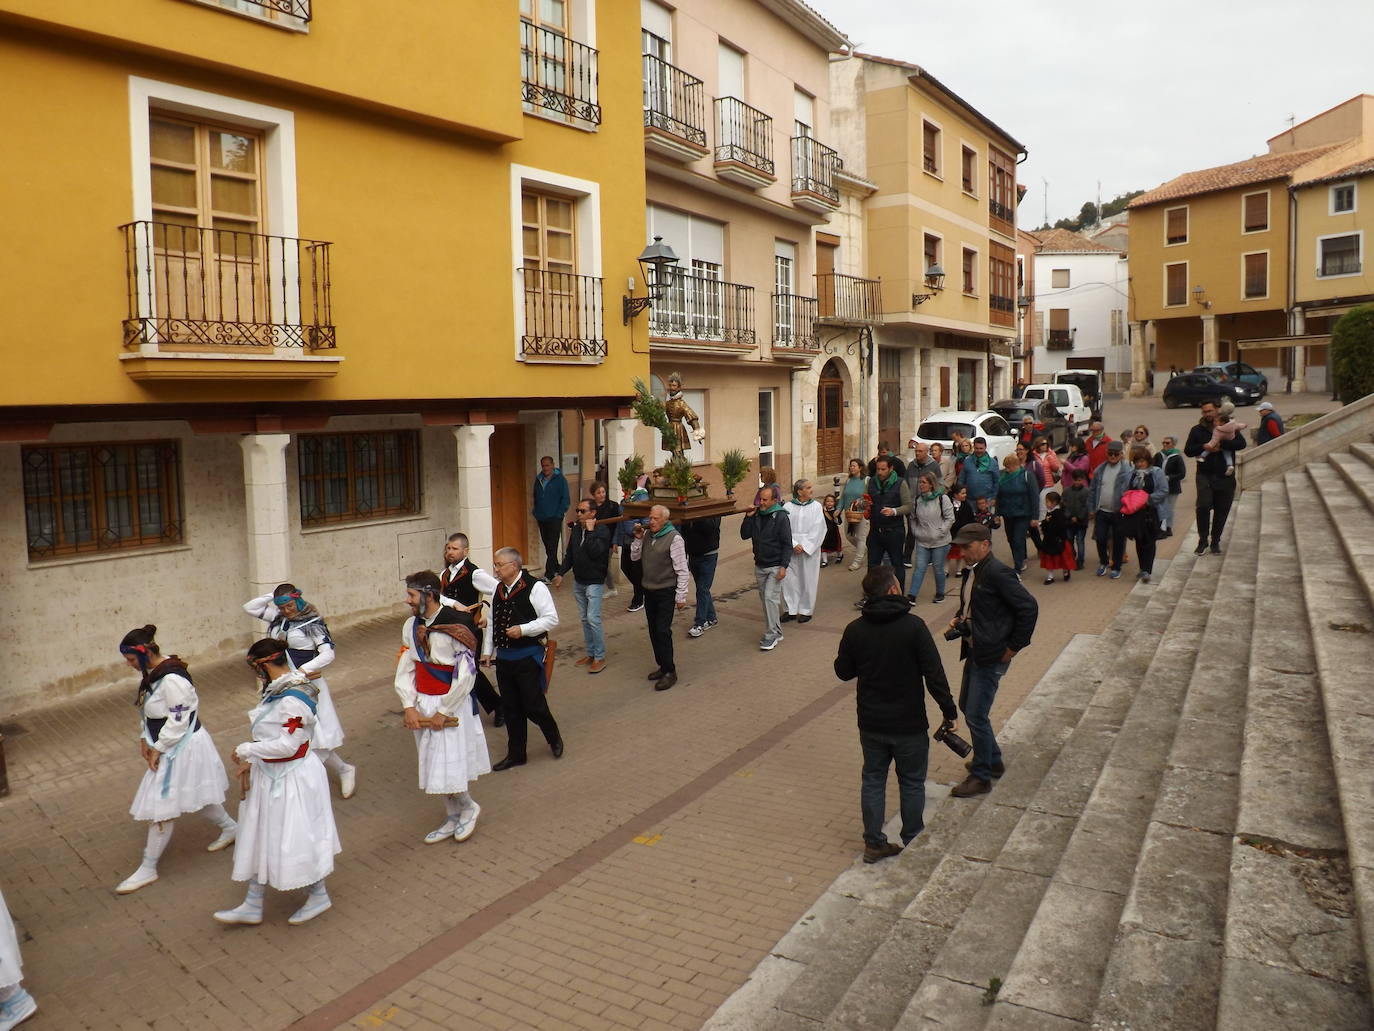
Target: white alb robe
[
  {"x": 11, "y": 966},
  {"x": 448, "y": 758},
  {"x": 803, "y": 572},
  {"x": 311, "y": 636},
  {"x": 190, "y": 775}
]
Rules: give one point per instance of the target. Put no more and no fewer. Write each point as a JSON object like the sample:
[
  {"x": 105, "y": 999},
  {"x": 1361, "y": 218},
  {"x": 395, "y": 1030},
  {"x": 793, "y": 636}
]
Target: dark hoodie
[{"x": 892, "y": 653}]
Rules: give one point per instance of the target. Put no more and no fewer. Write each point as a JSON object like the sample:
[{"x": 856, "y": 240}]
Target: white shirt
[
  {"x": 481, "y": 579},
  {"x": 545, "y": 619},
  {"x": 443, "y": 651}
]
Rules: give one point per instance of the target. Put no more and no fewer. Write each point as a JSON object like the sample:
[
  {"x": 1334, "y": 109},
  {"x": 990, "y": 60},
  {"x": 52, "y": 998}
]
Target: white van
[{"x": 1068, "y": 399}]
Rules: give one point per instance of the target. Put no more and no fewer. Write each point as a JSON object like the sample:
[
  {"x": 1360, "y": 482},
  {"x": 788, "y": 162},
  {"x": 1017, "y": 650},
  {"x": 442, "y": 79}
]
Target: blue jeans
[
  {"x": 1166, "y": 510},
  {"x": 589, "y": 611},
  {"x": 1016, "y": 528},
  {"x": 928, "y": 557},
  {"x": 976, "y": 695},
  {"x": 1079, "y": 536},
  {"x": 909, "y": 752},
  {"x": 703, "y": 570}
]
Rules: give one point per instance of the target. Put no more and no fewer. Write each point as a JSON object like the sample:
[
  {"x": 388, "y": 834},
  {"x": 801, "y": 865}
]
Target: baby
[{"x": 1225, "y": 429}]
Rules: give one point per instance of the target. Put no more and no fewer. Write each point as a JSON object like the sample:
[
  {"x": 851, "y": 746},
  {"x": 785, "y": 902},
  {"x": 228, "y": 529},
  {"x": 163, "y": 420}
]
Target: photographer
[
  {"x": 995, "y": 620},
  {"x": 892, "y": 654}
]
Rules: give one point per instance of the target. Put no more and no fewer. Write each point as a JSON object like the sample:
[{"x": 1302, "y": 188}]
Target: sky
[{"x": 1130, "y": 95}]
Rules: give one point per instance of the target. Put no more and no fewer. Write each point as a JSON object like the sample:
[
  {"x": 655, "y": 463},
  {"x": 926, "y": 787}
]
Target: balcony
[
  {"x": 1001, "y": 310},
  {"x": 214, "y": 293},
  {"x": 564, "y": 318},
  {"x": 794, "y": 326},
  {"x": 270, "y": 9},
  {"x": 744, "y": 144},
  {"x": 847, "y": 300},
  {"x": 559, "y": 76},
  {"x": 813, "y": 175},
  {"x": 700, "y": 309},
  {"x": 674, "y": 112},
  {"x": 1059, "y": 340},
  {"x": 1003, "y": 213}
]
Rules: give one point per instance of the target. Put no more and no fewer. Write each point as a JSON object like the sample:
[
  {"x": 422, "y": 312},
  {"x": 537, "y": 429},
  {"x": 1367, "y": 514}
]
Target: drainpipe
[{"x": 1291, "y": 358}]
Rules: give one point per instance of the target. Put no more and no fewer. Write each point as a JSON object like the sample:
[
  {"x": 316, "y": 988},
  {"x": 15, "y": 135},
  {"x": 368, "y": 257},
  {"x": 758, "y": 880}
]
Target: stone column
[
  {"x": 264, "y": 490},
  {"x": 1140, "y": 361},
  {"x": 1298, "y": 384},
  {"x": 620, "y": 445},
  {"x": 1211, "y": 347},
  {"x": 474, "y": 489}
]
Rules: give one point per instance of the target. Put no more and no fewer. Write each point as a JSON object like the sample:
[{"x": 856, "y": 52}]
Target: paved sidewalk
[{"x": 635, "y": 883}]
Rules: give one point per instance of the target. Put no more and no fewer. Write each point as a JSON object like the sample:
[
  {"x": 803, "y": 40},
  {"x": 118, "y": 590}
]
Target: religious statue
[{"x": 680, "y": 416}]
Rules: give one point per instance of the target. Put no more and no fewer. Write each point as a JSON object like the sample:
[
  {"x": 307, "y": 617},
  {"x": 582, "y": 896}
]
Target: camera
[
  {"x": 953, "y": 741},
  {"x": 958, "y": 630}
]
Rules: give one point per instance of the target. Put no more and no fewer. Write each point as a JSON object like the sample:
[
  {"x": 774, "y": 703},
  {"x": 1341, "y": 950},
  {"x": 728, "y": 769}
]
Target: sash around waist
[
  {"x": 300, "y": 754},
  {"x": 431, "y": 678}
]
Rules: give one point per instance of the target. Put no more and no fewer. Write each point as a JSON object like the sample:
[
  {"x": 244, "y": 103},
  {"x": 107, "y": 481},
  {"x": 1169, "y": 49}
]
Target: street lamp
[
  {"x": 656, "y": 262},
  {"x": 935, "y": 282}
]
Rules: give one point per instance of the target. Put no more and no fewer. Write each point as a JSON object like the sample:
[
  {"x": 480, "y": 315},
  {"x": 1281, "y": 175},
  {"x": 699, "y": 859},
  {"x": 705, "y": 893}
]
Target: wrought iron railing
[
  {"x": 1001, "y": 211},
  {"x": 743, "y": 134},
  {"x": 221, "y": 287},
  {"x": 794, "y": 322},
  {"x": 813, "y": 168},
  {"x": 850, "y": 299},
  {"x": 674, "y": 101},
  {"x": 299, "y": 9},
  {"x": 1004, "y": 304},
  {"x": 702, "y": 307},
  {"x": 1059, "y": 340},
  {"x": 559, "y": 74},
  {"x": 564, "y": 317}
]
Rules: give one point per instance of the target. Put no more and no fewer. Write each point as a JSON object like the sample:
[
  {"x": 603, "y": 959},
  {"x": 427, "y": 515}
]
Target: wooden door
[
  {"x": 830, "y": 424},
  {"x": 890, "y": 399},
  {"x": 944, "y": 387},
  {"x": 825, "y": 279},
  {"x": 510, "y": 490}
]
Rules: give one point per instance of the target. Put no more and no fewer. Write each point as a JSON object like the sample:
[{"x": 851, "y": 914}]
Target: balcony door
[
  {"x": 890, "y": 398},
  {"x": 656, "y": 42},
  {"x": 209, "y": 283},
  {"x": 784, "y": 287},
  {"x": 544, "y": 32},
  {"x": 825, "y": 278},
  {"x": 550, "y": 264},
  {"x": 767, "y": 430}
]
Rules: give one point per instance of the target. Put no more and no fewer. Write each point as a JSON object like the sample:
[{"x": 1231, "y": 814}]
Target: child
[
  {"x": 1075, "y": 502},
  {"x": 1057, "y": 552},
  {"x": 832, "y": 546},
  {"x": 963, "y": 515},
  {"x": 1226, "y": 428},
  {"x": 984, "y": 514}
]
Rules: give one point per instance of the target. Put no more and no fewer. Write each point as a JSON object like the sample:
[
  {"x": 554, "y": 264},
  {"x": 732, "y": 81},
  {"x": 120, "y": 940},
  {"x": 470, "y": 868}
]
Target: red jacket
[{"x": 1097, "y": 454}]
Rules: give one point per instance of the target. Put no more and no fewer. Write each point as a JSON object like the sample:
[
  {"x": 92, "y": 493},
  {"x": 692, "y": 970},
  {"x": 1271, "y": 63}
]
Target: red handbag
[{"x": 1132, "y": 501}]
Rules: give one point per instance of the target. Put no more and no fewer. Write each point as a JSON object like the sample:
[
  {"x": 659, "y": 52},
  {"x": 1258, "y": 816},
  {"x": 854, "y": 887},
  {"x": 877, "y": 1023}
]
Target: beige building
[{"x": 941, "y": 236}]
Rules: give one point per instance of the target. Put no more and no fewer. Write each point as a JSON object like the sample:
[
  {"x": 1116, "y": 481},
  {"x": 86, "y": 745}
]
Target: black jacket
[
  {"x": 700, "y": 536},
  {"x": 772, "y": 537},
  {"x": 1214, "y": 464},
  {"x": 892, "y": 653},
  {"x": 1001, "y": 610},
  {"x": 587, "y": 555}
]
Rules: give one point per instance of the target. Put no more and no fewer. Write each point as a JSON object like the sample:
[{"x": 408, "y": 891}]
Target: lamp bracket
[{"x": 632, "y": 306}]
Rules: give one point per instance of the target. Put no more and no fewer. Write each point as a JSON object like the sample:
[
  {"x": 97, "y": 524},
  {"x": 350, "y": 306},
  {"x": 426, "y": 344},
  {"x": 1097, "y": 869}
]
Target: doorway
[
  {"x": 968, "y": 385},
  {"x": 509, "y": 502},
  {"x": 890, "y": 398},
  {"x": 767, "y": 427},
  {"x": 830, "y": 421}
]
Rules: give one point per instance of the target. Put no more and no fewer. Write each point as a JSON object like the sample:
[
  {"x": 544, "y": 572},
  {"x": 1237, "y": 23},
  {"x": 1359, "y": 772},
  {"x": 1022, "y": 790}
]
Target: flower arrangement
[
  {"x": 733, "y": 468},
  {"x": 629, "y": 474},
  {"x": 678, "y": 474}
]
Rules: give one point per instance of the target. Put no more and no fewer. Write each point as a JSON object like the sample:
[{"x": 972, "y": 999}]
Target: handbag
[{"x": 1133, "y": 500}]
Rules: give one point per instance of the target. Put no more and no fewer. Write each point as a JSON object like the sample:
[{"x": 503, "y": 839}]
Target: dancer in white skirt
[
  {"x": 434, "y": 677},
  {"x": 185, "y": 773},
  {"x": 16, "y": 1004},
  {"x": 287, "y": 837},
  {"x": 807, "y": 519},
  {"x": 291, "y": 619}
]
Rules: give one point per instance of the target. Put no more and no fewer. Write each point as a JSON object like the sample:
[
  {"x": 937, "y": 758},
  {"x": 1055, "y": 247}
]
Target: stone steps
[{"x": 1292, "y": 947}]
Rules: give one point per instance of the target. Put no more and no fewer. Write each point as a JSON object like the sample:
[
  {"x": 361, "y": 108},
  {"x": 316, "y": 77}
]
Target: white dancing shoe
[
  {"x": 249, "y": 914},
  {"x": 227, "y": 836},
  {"x": 140, "y": 878},
  {"x": 16, "y": 1009},
  {"x": 443, "y": 833},
  {"x": 315, "y": 904},
  {"x": 348, "y": 781},
  {"x": 467, "y": 823}
]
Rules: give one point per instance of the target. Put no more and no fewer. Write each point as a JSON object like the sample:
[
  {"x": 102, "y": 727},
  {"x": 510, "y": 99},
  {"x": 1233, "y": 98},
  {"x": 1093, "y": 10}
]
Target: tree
[
  {"x": 1352, "y": 354},
  {"x": 1087, "y": 215}
]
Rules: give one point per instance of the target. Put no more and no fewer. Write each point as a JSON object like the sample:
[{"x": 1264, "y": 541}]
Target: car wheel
[{"x": 1170, "y": 401}]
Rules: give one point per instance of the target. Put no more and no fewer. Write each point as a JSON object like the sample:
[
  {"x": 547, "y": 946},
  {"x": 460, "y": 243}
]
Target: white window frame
[
  {"x": 1268, "y": 267},
  {"x": 966, "y": 249},
  {"x": 1359, "y": 235},
  {"x": 278, "y": 128},
  {"x": 1187, "y": 281},
  {"x": 1188, "y": 223},
  {"x": 772, "y": 392},
  {"x": 978, "y": 162},
  {"x": 586, "y": 195},
  {"x": 1354, "y": 198},
  {"x": 939, "y": 172},
  {"x": 1268, "y": 213}
]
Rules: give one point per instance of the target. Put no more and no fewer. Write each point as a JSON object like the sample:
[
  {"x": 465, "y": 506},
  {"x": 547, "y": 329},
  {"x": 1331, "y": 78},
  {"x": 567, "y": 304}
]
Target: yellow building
[
  {"x": 1225, "y": 260},
  {"x": 297, "y": 290},
  {"x": 941, "y": 235}
]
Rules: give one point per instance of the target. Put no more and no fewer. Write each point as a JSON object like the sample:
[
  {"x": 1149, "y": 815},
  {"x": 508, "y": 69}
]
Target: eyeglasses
[{"x": 584, "y": 511}]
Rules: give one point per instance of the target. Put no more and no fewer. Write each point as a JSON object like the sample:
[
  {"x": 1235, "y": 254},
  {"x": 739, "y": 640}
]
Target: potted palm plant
[{"x": 733, "y": 468}]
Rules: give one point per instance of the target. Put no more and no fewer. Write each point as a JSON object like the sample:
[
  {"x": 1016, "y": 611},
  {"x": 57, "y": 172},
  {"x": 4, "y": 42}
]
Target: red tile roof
[
  {"x": 1259, "y": 169},
  {"x": 1365, "y": 167},
  {"x": 1065, "y": 241}
]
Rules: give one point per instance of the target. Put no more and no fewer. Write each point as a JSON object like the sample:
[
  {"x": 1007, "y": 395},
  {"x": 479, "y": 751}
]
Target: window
[
  {"x": 766, "y": 428},
  {"x": 969, "y": 170},
  {"x": 1255, "y": 212},
  {"x": 1176, "y": 225},
  {"x": 970, "y": 271},
  {"x": 1059, "y": 278},
  {"x": 1342, "y": 198},
  {"x": 1001, "y": 284},
  {"x": 100, "y": 497},
  {"x": 1339, "y": 255},
  {"x": 803, "y": 113},
  {"x": 730, "y": 72},
  {"x": 1002, "y": 191},
  {"x": 784, "y": 286},
  {"x": 694, "y": 305},
  {"x": 1255, "y": 273},
  {"x": 930, "y": 147},
  {"x": 346, "y": 477},
  {"x": 1176, "y": 284},
  {"x": 931, "y": 249},
  {"x": 294, "y": 13}
]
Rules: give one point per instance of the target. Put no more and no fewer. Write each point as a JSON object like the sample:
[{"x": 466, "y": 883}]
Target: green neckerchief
[
  {"x": 774, "y": 507},
  {"x": 666, "y": 528},
  {"x": 1169, "y": 452},
  {"x": 1009, "y": 476},
  {"x": 800, "y": 503},
  {"x": 891, "y": 480},
  {"x": 932, "y": 495},
  {"x": 983, "y": 462}
]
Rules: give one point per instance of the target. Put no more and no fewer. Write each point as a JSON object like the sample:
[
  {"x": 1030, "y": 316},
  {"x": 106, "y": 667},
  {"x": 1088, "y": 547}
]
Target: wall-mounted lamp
[
  {"x": 1198, "y": 293},
  {"x": 1023, "y": 302},
  {"x": 935, "y": 282},
  {"x": 657, "y": 263}
]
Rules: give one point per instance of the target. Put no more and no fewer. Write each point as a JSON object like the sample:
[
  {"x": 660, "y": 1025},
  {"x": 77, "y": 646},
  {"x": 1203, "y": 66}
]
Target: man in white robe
[{"x": 808, "y": 532}]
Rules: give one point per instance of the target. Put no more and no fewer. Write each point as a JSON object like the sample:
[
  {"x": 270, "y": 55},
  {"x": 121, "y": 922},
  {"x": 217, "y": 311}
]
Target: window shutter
[
  {"x": 1176, "y": 278},
  {"x": 1176, "y": 228},
  {"x": 1256, "y": 212}
]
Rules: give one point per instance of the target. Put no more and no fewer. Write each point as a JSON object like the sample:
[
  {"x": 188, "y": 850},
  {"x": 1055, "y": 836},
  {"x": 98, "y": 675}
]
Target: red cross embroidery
[{"x": 293, "y": 724}]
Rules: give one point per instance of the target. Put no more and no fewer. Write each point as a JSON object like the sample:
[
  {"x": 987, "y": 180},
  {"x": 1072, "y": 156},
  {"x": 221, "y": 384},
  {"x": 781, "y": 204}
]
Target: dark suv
[{"x": 1195, "y": 388}]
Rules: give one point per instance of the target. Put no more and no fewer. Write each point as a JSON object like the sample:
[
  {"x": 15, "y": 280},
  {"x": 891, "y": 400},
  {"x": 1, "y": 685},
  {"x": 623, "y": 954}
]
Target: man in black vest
[
  {"x": 891, "y": 499},
  {"x": 587, "y": 556},
  {"x": 461, "y": 586},
  {"x": 522, "y": 616}
]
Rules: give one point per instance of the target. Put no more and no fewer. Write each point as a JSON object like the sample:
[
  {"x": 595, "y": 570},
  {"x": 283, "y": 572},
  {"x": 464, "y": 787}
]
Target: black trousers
[
  {"x": 482, "y": 690},
  {"x": 888, "y": 542},
  {"x": 1107, "y": 529},
  {"x": 658, "y": 613},
  {"x": 634, "y": 572},
  {"x": 522, "y": 697},
  {"x": 551, "y": 533},
  {"x": 1214, "y": 497}
]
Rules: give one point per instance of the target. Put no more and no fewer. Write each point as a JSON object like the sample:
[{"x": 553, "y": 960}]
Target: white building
[{"x": 1080, "y": 308}]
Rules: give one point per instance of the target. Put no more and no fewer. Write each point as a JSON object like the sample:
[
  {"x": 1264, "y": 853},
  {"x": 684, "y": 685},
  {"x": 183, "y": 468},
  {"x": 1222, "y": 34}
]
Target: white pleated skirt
[
  {"x": 287, "y": 838},
  {"x": 193, "y": 779},
  {"x": 328, "y": 731},
  {"x": 11, "y": 967},
  {"x": 451, "y": 757}
]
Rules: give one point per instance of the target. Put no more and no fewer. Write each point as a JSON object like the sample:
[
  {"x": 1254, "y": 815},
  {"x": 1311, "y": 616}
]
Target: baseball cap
[
  {"x": 973, "y": 532},
  {"x": 1265, "y": 406}
]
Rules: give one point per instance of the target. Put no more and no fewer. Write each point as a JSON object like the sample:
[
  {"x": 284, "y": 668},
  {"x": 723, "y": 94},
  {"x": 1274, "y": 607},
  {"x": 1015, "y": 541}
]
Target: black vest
[
  {"x": 890, "y": 497},
  {"x": 515, "y": 610},
  {"x": 461, "y": 588}
]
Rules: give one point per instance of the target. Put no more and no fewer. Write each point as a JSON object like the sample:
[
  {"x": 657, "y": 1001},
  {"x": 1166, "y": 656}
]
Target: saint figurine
[{"x": 680, "y": 413}]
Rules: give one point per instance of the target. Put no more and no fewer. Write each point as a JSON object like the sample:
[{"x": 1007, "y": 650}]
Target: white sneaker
[
  {"x": 348, "y": 781},
  {"x": 226, "y": 838},
  {"x": 441, "y": 834},
  {"x": 467, "y": 823},
  {"x": 248, "y": 915},
  {"x": 769, "y": 642},
  {"x": 17, "y": 1008},
  {"x": 854, "y": 565},
  {"x": 140, "y": 878},
  {"x": 315, "y": 904},
  {"x": 696, "y": 630}
]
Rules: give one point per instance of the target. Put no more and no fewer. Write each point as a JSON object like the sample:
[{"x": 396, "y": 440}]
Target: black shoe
[
  {"x": 786, "y": 617},
  {"x": 997, "y": 769},
  {"x": 655, "y": 675},
  {"x": 557, "y": 749},
  {"x": 803, "y": 619},
  {"x": 1201, "y": 548},
  {"x": 911, "y": 597},
  {"x": 507, "y": 763},
  {"x": 873, "y": 853},
  {"x": 667, "y": 681},
  {"x": 938, "y": 599},
  {"x": 1079, "y": 564},
  {"x": 1216, "y": 549}
]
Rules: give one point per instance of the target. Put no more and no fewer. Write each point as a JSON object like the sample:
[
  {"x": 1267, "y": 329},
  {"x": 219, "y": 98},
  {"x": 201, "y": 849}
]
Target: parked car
[
  {"x": 1242, "y": 371},
  {"x": 1045, "y": 418},
  {"x": 1089, "y": 383},
  {"x": 1067, "y": 399},
  {"x": 940, "y": 427},
  {"x": 1193, "y": 388}
]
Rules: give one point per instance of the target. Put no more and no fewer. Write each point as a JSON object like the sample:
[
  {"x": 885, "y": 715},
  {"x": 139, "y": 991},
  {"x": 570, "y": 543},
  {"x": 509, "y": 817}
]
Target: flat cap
[{"x": 972, "y": 532}]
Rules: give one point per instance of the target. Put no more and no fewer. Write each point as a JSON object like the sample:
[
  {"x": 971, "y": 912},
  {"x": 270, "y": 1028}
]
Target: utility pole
[{"x": 1047, "y": 200}]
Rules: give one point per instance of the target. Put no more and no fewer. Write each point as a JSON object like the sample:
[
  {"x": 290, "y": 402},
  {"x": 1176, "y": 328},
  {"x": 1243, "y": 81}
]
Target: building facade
[
  {"x": 299, "y": 325},
  {"x": 1080, "y": 316}
]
